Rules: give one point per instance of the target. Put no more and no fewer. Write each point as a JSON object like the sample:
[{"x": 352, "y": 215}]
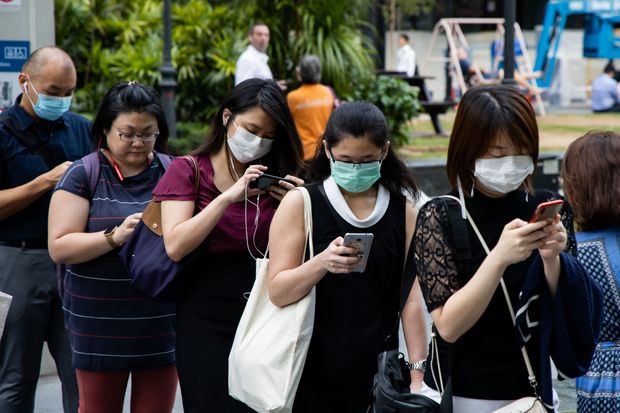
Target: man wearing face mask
[{"x": 39, "y": 138}]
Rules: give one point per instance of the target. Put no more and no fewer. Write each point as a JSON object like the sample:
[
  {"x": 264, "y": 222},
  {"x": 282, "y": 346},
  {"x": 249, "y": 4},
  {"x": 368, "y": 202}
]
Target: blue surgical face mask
[
  {"x": 49, "y": 107},
  {"x": 355, "y": 177}
]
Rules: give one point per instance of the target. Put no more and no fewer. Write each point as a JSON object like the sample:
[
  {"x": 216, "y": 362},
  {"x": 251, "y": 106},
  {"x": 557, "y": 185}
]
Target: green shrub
[{"x": 396, "y": 98}]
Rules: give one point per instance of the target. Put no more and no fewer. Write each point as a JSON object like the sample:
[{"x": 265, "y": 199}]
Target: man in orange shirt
[{"x": 310, "y": 104}]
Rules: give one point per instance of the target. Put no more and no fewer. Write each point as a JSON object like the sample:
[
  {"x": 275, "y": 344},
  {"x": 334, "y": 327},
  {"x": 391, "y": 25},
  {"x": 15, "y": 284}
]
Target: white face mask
[
  {"x": 503, "y": 174},
  {"x": 246, "y": 147}
]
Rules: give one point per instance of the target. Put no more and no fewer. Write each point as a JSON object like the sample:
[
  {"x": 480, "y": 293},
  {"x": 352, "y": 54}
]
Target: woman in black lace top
[{"x": 492, "y": 152}]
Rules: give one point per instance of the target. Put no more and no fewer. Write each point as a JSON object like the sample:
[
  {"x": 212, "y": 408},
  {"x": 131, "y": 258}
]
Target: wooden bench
[{"x": 432, "y": 108}]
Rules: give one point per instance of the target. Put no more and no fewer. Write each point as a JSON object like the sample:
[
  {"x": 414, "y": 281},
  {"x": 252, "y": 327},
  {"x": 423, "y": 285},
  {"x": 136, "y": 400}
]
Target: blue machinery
[{"x": 602, "y": 24}]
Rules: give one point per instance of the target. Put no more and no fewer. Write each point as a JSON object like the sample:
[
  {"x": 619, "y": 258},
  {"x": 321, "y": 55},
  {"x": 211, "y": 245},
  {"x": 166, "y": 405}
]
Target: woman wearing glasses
[
  {"x": 114, "y": 332},
  {"x": 359, "y": 183}
]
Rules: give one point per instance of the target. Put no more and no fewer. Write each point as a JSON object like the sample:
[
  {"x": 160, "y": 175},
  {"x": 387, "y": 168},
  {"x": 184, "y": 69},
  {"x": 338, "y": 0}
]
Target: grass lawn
[{"x": 557, "y": 131}]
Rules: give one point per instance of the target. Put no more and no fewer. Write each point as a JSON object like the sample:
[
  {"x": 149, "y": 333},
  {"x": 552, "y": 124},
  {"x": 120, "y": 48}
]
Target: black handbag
[{"x": 390, "y": 392}]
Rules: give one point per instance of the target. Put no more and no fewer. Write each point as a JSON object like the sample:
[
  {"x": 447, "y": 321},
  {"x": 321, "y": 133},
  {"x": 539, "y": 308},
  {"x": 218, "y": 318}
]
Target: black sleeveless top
[{"x": 355, "y": 312}]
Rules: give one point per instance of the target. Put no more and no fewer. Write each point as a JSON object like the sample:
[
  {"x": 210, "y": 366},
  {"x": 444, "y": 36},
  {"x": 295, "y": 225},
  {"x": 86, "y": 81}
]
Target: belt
[{"x": 30, "y": 244}]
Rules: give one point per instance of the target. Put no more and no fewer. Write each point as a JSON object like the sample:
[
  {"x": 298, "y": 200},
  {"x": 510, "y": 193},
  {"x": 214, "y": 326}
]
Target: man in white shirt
[
  {"x": 253, "y": 61},
  {"x": 405, "y": 56}
]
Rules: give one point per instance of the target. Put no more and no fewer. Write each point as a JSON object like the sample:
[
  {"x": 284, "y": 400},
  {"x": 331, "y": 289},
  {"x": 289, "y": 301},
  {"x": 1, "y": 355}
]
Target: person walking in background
[
  {"x": 39, "y": 138},
  {"x": 310, "y": 104},
  {"x": 252, "y": 133},
  {"x": 491, "y": 156},
  {"x": 405, "y": 56},
  {"x": 253, "y": 61},
  {"x": 591, "y": 179},
  {"x": 605, "y": 92},
  {"x": 114, "y": 331},
  {"x": 359, "y": 178}
]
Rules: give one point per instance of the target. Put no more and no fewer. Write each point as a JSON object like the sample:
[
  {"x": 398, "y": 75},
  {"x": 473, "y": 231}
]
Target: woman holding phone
[
  {"x": 357, "y": 187},
  {"x": 491, "y": 156},
  {"x": 227, "y": 224}
]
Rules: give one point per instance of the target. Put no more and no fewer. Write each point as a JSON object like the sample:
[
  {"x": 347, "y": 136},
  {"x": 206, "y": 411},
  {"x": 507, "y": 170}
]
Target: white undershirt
[{"x": 335, "y": 197}]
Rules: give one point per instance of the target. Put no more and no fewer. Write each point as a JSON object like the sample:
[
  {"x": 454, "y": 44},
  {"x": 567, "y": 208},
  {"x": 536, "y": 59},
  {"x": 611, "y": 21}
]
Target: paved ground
[{"x": 48, "y": 398}]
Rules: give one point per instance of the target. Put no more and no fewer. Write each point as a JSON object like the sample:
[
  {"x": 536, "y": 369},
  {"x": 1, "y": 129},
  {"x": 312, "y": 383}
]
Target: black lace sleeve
[
  {"x": 434, "y": 255},
  {"x": 566, "y": 216}
]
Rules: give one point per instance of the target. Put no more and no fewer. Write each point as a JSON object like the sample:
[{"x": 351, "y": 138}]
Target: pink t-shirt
[{"x": 229, "y": 235}]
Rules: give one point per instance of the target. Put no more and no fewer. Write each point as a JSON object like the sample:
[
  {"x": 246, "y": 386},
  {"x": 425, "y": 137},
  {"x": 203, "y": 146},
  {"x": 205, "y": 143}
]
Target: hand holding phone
[
  {"x": 361, "y": 242},
  {"x": 265, "y": 181},
  {"x": 547, "y": 210}
]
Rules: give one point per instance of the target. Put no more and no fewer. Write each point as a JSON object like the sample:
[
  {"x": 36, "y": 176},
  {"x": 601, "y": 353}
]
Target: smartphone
[
  {"x": 547, "y": 210},
  {"x": 361, "y": 242},
  {"x": 265, "y": 181}
]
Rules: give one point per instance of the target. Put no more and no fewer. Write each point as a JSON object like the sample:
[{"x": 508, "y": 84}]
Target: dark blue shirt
[{"x": 68, "y": 139}]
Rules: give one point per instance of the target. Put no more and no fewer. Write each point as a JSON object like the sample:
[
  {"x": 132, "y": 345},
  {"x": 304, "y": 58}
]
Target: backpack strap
[
  {"x": 29, "y": 139},
  {"x": 92, "y": 167}
]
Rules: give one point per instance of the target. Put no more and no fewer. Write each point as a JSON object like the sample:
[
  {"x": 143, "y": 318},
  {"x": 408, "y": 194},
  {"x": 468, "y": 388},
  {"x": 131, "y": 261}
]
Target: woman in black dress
[{"x": 358, "y": 187}]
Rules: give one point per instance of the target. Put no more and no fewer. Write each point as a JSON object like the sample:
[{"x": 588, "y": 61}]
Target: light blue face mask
[
  {"x": 50, "y": 107},
  {"x": 355, "y": 177}
]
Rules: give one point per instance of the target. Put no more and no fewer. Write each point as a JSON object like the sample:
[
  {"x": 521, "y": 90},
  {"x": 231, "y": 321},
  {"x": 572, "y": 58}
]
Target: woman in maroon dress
[{"x": 252, "y": 133}]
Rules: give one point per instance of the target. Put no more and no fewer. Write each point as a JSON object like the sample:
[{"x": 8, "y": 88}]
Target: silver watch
[{"x": 418, "y": 365}]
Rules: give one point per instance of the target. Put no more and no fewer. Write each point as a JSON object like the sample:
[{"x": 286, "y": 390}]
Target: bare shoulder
[{"x": 411, "y": 213}]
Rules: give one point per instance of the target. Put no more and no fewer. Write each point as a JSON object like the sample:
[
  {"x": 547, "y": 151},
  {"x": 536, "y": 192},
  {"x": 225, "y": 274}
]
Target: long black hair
[
  {"x": 285, "y": 156},
  {"x": 129, "y": 97},
  {"x": 360, "y": 120}
]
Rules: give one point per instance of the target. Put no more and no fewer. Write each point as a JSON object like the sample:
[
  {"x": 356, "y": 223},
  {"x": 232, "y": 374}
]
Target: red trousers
[{"x": 152, "y": 391}]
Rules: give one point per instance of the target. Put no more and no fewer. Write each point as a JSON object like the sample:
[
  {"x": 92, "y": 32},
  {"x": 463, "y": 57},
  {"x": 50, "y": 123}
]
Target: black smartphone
[{"x": 265, "y": 181}]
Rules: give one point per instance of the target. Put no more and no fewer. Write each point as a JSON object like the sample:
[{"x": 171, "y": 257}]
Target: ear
[
  {"x": 22, "y": 78},
  {"x": 326, "y": 149},
  {"x": 226, "y": 116},
  {"x": 386, "y": 148}
]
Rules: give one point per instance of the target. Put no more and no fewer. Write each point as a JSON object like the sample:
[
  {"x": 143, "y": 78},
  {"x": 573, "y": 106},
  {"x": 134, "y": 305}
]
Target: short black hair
[
  {"x": 609, "y": 67},
  {"x": 129, "y": 97},
  {"x": 405, "y": 36}
]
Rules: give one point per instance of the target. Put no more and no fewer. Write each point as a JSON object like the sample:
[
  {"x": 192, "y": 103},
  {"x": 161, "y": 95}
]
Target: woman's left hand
[
  {"x": 555, "y": 241},
  {"x": 278, "y": 191}
]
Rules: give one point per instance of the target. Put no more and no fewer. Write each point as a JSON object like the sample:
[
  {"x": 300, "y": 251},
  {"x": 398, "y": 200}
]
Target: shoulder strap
[
  {"x": 92, "y": 166},
  {"x": 29, "y": 139},
  {"x": 164, "y": 160},
  {"x": 194, "y": 162}
]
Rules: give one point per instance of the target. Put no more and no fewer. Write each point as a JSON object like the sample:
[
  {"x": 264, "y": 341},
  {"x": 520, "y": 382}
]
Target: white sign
[{"x": 10, "y": 3}]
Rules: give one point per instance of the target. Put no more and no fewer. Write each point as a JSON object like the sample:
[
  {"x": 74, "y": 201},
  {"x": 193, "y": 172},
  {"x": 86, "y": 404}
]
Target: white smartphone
[{"x": 361, "y": 242}]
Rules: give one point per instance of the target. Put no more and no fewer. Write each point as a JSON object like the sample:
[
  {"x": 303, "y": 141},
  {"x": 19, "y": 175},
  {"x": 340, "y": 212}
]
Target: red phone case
[{"x": 544, "y": 205}]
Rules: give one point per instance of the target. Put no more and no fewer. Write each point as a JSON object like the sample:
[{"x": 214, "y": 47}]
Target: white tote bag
[{"x": 271, "y": 343}]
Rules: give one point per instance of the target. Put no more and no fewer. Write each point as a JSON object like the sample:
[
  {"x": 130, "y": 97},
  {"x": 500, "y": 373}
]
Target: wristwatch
[
  {"x": 108, "y": 233},
  {"x": 418, "y": 365}
]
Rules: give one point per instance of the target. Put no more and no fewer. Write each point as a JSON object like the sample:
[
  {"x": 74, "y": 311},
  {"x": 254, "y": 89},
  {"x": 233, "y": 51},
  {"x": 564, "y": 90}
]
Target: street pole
[
  {"x": 168, "y": 83},
  {"x": 509, "y": 43}
]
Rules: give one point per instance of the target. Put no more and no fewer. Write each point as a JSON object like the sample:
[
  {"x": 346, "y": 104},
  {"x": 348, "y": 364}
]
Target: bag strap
[
  {"x": 194, "y": 162},
  {"x": 29, "y": 139},
  {"x": 309, "y": 243},
  {"x": 526, "y": 358},
  {"x": 92, "y": 168}
]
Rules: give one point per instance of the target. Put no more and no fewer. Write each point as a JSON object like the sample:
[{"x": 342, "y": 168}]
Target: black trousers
[{"x": 35, "y": 317}]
